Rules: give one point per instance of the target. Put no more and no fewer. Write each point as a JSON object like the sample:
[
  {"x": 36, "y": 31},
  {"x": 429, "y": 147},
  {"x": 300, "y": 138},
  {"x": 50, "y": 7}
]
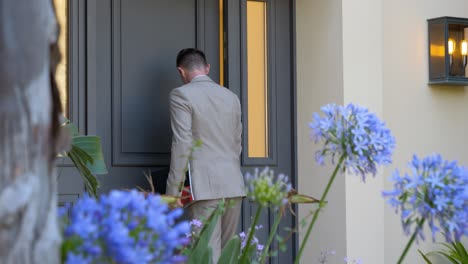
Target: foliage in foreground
[
  {"x": 436, "y": 192},
  {"x": 123, "y": 227},
  {"x": 86, "y": 155},
  {"x": 454, "y": 252}
]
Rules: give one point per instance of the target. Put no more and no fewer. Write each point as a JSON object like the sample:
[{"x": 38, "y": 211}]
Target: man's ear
[
  {"x": 181, "y": 71},
  {"x": 207, "y": 69}
]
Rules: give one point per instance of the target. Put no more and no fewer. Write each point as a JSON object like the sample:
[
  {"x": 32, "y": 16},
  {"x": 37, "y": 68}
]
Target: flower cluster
[
  {"x": 267, "y": 189},
  {"x": 196, "y": 226},
  {"x": 255, "y": 242},
  {"x": 124, "y": 227},
  {"x": 436, "y": 191},
  {"x": 353, "y": 133}
]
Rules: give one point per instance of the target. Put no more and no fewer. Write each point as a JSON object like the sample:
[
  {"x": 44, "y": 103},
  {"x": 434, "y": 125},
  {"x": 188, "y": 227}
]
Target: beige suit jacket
[{"x": 203, "y": 110}]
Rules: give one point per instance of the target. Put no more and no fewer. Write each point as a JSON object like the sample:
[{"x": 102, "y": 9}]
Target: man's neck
[
  {"x": 196, "y": 74},
  {"x": 200, "y": 75}
]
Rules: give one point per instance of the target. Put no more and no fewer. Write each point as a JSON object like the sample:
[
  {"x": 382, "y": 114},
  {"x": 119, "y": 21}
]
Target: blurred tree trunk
[{"x": 28, "y": 223}]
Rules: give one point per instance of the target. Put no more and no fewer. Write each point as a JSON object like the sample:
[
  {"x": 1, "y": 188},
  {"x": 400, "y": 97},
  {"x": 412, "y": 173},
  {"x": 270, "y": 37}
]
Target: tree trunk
[{"x": 28, "y": 205}]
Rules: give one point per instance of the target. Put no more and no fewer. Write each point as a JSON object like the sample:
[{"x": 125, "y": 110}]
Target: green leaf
[
  {"x": 283, "y": 247},
  {"x": 201, "y": 249},
  {"x": 301, "y": 199},
  {"x": 71, "y": 127},
  {"x": 454, "y": 261},
  {"x": 250, "y": 253},
  {"x": 424, "y": 257},
  {"x": 460, "y": 248},
  {"x": 231, "y": 252},
  {"x": 70, "y": 245},
  {"x": 456, "y": 251},
  {"x": 81, "y": 154},
  {"x": 92, "y": 146},
  {"x": 279, "y": 238},
  {"x": 208, "y": 256},
  {"x": 89, "y": 179}
]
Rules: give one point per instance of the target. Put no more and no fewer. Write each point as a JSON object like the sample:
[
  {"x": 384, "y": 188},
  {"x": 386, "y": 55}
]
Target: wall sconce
[{"x": 448, "y": 50}]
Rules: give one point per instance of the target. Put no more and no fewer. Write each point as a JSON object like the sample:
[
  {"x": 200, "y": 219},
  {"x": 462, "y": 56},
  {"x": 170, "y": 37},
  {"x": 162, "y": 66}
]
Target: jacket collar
[{"x": 203, "y": 78}]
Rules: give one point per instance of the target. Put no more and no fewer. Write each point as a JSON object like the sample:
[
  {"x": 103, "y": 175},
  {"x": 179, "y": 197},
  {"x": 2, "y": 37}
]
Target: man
[{"x": 203, "y": 110}]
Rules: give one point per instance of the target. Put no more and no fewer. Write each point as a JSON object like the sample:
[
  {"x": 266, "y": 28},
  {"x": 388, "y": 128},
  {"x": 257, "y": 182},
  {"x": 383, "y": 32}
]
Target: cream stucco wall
[
  {"x": 319, "y": 81},
  {"x": 424, "y": 119},
  {"x": 373, "y": 52},
  {"x": 362, "y": 71}
]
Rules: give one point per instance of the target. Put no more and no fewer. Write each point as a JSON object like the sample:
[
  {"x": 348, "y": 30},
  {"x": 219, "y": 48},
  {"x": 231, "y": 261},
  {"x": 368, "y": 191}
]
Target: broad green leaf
[
  {"x": 231, "y": 252},
  {"x": 81, "y": 154},
  {"x": 79, "y": 159},
  {"x": 92, "y": 146},
  {"x": 207, "y": 256},
  {"x": 71, "y": 128}
]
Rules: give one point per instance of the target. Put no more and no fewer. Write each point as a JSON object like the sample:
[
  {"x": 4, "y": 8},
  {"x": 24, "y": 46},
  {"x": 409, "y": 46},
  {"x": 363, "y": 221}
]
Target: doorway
[{"x": 122, "y": 69}]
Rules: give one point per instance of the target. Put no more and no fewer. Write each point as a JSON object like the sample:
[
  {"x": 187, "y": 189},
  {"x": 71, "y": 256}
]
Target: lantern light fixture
[{"x": 448, "y": 50}]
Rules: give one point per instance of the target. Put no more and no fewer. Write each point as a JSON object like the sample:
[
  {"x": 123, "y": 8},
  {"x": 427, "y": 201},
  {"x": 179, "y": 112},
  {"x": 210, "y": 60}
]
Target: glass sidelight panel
[
  {"x": 61, "y": 75},
  {"x": 257, "y": 85}
]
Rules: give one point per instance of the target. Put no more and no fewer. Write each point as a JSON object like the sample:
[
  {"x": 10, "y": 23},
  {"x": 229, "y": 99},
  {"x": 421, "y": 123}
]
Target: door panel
[
  {"x": 146, "y": 37},
  {"x": 147, "y": 69}
]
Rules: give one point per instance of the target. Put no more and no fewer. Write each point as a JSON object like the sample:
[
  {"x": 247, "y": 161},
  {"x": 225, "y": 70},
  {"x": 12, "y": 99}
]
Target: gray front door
[{"x": 125, "y": 70}]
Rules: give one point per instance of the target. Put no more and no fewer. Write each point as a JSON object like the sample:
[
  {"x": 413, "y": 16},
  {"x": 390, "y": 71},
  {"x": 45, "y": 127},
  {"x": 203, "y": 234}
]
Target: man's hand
[{"x": 179, "y": 203}]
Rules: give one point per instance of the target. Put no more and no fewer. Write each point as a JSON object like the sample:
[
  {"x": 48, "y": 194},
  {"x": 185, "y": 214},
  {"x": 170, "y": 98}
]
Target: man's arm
[{"x": 181, "y": 124}]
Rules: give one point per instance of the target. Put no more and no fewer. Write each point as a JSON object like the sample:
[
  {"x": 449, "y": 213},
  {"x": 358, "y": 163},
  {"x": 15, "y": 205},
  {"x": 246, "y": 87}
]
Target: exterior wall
[
  {"x": 362, "y": 71},
  {"x": 319, "y": 81},
  {"x": 424, "y": 119},
  {"x": 374, "y": 53}
]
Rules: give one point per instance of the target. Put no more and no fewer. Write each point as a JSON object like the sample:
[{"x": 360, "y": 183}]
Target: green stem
[
  {"x": 251, "y": 234},
  {"x": 316, "y": 213},
  {"x": 410, "y": 242},
  {"x": 272, "y": 235}
]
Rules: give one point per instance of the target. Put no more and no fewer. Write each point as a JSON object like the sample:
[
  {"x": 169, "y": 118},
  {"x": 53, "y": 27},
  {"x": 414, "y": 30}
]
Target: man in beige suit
[{"x": 203, "y": 110}]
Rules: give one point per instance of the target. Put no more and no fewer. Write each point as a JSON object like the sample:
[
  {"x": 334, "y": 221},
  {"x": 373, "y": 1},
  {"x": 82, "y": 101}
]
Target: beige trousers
[{"x": 227, "y": 224}]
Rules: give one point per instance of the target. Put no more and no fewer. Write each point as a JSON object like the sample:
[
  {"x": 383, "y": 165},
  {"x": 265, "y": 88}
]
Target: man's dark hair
[{"x": 191, "y": 58}]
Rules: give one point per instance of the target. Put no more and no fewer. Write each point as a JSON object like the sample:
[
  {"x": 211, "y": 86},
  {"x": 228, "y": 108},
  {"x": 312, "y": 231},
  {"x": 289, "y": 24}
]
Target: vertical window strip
[
  {"x": 257, "y": 85},
  {"x": 61, "y": 75}
]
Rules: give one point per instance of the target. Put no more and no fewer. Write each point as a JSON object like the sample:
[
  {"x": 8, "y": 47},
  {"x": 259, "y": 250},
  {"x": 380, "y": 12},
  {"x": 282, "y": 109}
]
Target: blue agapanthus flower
[
  {"x": 124, "y": 227},
  {"x": 436, "y": 190},
  {"x": 353, "y": 133}
]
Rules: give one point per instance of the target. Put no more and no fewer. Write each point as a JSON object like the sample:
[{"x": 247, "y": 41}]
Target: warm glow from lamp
[
  {"x": 451, "y": 46},
  {"x": 464, "y": 48}
]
